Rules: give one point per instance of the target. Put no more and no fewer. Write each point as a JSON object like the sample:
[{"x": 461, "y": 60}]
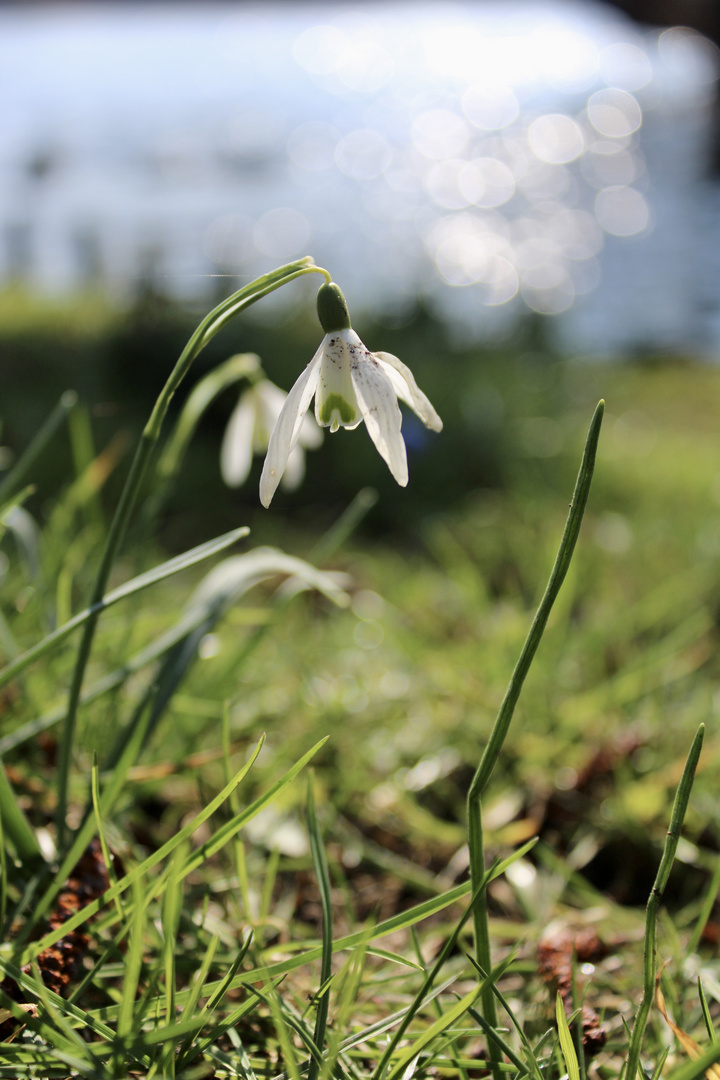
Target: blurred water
[{"x": 489, "y": 157}]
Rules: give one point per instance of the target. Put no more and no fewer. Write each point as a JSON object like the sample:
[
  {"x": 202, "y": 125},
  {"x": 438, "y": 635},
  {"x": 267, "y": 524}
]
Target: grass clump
[{"x": 177, "y": 900}]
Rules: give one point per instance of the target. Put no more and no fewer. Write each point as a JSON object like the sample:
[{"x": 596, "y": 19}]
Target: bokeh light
[{"x": 488, "y": 154}]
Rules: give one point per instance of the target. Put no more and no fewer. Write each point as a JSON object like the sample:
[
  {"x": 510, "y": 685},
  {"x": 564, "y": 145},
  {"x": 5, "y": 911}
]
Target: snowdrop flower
[
  {"x": 350, "y": 384},
  {"x": 248, "y": 432}
]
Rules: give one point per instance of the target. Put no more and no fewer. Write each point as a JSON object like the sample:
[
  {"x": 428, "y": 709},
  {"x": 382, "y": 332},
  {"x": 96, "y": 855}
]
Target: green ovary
[{"x": 334, "y": 403}]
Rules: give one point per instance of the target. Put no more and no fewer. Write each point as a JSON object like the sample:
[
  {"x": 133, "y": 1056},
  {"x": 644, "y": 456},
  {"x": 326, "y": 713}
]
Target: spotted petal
[
  {"x": 408, "y": 390},
  {"x": 287, "y": 429},
  {"x": 378, "y": 402}
]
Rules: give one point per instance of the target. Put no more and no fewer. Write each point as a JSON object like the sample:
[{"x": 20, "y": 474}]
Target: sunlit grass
[{"x": 206, "y": 950}]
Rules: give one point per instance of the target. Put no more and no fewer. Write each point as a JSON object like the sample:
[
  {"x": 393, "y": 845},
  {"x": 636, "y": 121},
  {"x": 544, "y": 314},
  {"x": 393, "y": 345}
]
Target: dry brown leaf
[
  {"x": 556, "y": 951},
  {"x": 691, "y": 1048},
  {"x": 27, "y": 1007}
]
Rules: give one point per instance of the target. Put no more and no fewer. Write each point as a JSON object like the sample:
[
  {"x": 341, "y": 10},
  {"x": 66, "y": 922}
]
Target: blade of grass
[
  {"x": 374, "y": 1031},
  {"x": 130, "y": 588},
  {"x": 201, "y": 1045},
  {"x": 502, "y": 723},
  {"x": 531, "y": 1053},
  {"x": 658, "y": 1070},
  {"x": 282, "y": 1029},
  {"x": 198, "y": 986},
  {"x": 60, "y": 1021},
  {"x": 198, "y": 989},
  {"x": 214, "y": 998},
  {"x": 38, "y": 1024},
  {"x": 394, "y": 958},
  {"x": 427, "y": 983},
  {"x": 202, "y": 614},
  {"x": 692, "y": 1069},
  {"x": 171, "y": 911},
  {"x": 230, "y": 828},
  {"x": 194, "y": 860},
  {"x": 10, "y": 504},
  {"x": 317, "y": 851},
  {"x": 437, "y": 1010},
  {"x": 434, "y": 1031},
  {"x": 128, "y": 1022},
  {"x": 110, "y": 951},
  {"x": 138, "y": 872},
  {"x": 576, "y": 1008},
  {"x": 238, "y": 846},
  {"x": 345, "y": 526},
  {"x": 710, "y": 1027},
  {"x": 401, "y": 921},
  {"x": 112, "y": 681},
  {"x": 502, "y": 1044},
  {"x": 566, "y": 1040},
  {"x": 100, "y": 829},
  {"x": 16, "y": 827},
  {"x": 3, "y": 882},
  {"x": 88, "y": 1020},
  {"x": 42, "y": 438},
  {"x": 83, "y": 453},
  {"x": 445, "y": 952},
  {"x": 125, "y": 753},
  {"x": 682, "y": 797},
  {"x": 706, "y": 909},
  {"x": 297, "y": 1024},
  {"x": 348, "y": 985}
]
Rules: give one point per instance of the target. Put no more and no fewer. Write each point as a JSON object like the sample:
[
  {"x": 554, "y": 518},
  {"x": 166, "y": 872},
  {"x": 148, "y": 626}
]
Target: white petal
[
  {"x": 413, "y": 395},
  {"x": 311, "y": 435},
  {"x": 270, "y": 404},
  {"x": 271, "y": 396},
  {"x": 237, "y": 447},
  {"x": 381, "y": 412},
  {"x": 285, "y": 433},
  {"x": 294, "y": 470}
]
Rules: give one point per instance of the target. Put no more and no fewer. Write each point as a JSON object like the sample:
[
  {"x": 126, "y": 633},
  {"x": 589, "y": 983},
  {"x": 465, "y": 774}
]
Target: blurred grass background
[{"x": 444, "y": 576}]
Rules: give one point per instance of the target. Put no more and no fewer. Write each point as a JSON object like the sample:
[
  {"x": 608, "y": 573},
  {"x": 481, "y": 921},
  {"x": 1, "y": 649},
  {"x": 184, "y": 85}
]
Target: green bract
[{"x": 332, "y": 308}]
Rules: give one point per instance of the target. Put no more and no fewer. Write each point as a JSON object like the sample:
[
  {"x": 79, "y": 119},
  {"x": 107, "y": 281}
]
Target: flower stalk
[
  {"x": 206, "y": 330},
  {"x": 502, "y": 723}
]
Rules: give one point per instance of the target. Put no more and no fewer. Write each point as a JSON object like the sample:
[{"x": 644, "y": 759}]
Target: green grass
[{"x": 239, "y": 916}]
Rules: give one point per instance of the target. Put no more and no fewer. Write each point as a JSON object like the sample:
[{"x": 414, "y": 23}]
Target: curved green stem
[
  {"x": 206, "y": 330},
  {"x": 505, "y": 715},
  {"x": 241, "y": 366}
]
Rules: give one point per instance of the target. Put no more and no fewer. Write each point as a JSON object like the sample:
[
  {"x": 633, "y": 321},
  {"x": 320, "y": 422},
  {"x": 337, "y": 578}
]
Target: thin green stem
[
  {"x": 206, "y": 330},
  {"x": 505, "y": 715},
  {"x": 682, "y": 797},
  {"x": 17, "y": 474}
]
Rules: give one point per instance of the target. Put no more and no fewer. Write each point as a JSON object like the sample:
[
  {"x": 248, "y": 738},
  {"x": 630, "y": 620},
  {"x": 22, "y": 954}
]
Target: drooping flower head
[
  {"x": 248, "y": 432},
  {"x": 350, "y": 384}
]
